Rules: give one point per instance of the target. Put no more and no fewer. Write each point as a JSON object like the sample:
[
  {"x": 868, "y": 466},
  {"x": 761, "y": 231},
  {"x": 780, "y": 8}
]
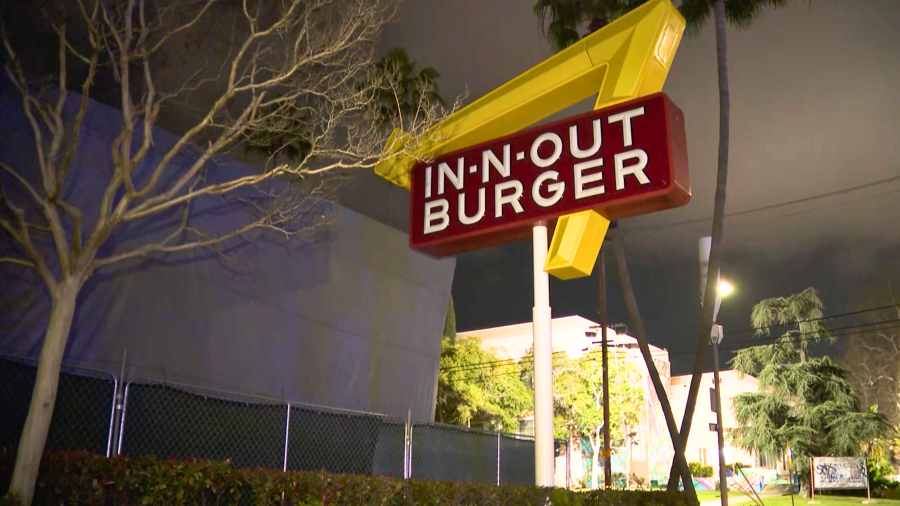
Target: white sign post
[{"x": 543, "y": 364}]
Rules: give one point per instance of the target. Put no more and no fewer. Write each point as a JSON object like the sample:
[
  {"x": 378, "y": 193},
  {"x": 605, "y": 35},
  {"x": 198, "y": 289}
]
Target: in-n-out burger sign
[{"x": 622, "y": 161}]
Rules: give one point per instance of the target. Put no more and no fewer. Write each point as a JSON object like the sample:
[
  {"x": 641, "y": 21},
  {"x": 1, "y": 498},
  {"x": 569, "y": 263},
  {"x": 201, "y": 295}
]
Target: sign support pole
[
  {"x": 607, "y": 455},
  {"x": 543, "y": 363},
  {"x": 812, "y": 482},
  {"x": 868, "y": 488}
]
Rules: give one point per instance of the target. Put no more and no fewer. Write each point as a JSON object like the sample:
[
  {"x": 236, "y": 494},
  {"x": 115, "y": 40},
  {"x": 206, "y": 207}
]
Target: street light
[{"x": 723, "y": 289}]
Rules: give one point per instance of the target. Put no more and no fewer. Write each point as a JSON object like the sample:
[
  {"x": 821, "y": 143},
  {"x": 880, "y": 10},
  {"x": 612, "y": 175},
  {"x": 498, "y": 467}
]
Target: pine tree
[{"x": 804, "y": 404}]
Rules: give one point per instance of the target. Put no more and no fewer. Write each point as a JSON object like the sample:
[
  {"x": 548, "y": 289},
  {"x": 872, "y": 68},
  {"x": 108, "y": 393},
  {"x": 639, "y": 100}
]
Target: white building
[
  {"x": 703, "y": 442},
  {"x": 651, "y": 450}
]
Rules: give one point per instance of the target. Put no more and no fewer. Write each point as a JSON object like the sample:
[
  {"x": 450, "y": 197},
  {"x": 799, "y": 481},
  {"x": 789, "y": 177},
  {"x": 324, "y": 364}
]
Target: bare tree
[
  {"x": 300, "y": 70},
  {"x": 873, "y": 360}
]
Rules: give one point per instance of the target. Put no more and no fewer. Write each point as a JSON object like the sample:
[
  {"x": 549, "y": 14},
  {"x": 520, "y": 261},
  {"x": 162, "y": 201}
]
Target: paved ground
[{"x": 731, "y": 500}]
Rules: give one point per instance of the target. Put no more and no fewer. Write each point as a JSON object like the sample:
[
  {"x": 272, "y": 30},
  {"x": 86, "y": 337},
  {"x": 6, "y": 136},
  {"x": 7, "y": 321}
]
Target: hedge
[
  {"x": 86, "y": 479},
  {"x": 699, "y": 470}
]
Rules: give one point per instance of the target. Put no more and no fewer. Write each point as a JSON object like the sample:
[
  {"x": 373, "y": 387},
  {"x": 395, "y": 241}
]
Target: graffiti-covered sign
[{"x": 839, "y": 473}]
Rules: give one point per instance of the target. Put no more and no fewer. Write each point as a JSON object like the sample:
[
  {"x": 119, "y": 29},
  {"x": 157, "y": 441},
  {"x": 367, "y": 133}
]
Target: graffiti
[
  {"x": 861, "y": 471},
  {"x": 750, "y": 477},
  {"x": 839, "y": 473},
  {"x": 829, "y": 472}
]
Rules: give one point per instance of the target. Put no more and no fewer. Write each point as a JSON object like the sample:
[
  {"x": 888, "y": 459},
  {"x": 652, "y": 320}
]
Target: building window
[
  {"x": 766, "y": 461},
  {"x": 526, "y": 427},
  {"x": 703, "y": 456}
]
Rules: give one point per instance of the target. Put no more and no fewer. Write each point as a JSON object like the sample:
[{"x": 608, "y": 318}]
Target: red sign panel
[{"x": 622, "y": 161}]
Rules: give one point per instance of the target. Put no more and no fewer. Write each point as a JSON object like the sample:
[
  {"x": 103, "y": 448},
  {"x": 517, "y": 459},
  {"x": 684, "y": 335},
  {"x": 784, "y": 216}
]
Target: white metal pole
[
  {"x": 543, "y": 363},
  {"x": 287, "y": 435}
]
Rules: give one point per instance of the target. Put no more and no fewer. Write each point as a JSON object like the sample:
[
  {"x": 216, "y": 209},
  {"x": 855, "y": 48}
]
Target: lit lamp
[{"x": 724, "y": 289}]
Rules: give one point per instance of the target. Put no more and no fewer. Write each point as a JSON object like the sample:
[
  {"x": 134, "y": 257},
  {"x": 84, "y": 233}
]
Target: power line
[
  {"x": 775, "y": 206},
  {"x": 821, "y": 318},
  {"x": 669, "y": 352},
  {"x": 739, "y": 345}
]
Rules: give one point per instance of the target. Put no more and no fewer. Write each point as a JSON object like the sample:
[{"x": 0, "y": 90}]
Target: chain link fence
[
  {"x": 82, "y": 416},
  {"x": 172, "y": 420}
]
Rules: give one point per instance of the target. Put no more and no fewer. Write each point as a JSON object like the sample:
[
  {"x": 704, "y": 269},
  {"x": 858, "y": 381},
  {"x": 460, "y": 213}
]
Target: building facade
[
  {"x": 650, "y": 454},
  {"x": 703, "y": 442}
]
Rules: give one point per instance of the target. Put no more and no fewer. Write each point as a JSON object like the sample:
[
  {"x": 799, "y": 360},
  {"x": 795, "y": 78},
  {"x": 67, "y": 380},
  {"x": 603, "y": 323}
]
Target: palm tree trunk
[
  {"x": 718, "y": 226},
  {"x": 634, "y": 317},
  {"x": 43, "y": 398}
]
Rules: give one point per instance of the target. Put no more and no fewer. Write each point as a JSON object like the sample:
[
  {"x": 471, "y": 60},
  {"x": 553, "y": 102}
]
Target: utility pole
[
  {"x": 715, "y": 338},
  {"x": 607, "y": 456}
]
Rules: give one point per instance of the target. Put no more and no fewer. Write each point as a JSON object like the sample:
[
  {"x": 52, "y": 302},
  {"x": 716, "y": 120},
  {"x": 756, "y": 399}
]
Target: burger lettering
[{"x": 622, "y": 161}]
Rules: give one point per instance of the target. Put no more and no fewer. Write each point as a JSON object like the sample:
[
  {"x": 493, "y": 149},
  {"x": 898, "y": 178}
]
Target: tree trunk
[
  {"x": 595, "y": 463},
  {"x": 804, "y": 487},
  {"x": 718, "y": 230},
  {"x": 634, "y": 316},
  {"x": 43, "y": 399}
]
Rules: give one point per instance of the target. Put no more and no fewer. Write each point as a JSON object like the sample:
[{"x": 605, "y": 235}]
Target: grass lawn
[{"x": 824, "y": 500}]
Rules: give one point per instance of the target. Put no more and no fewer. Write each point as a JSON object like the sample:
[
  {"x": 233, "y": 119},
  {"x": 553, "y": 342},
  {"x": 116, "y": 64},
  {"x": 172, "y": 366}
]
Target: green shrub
[
  {"x": 637, "y": 481},
  {"x": 85, "y": 479},
  {"x": 699, "y": 470},
  {"x": 735, "y": 466}
]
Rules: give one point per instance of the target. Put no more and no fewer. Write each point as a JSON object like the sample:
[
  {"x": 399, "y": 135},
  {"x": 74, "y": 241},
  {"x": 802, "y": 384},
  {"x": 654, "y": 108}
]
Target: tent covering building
[{"x": 351, "y": 319}]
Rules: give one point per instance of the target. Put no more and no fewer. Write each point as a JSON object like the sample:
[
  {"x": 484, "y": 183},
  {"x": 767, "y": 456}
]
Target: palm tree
[
  {"x": 410, "y": 88},
  {"x": 740, "y": 13},
  {"x": 562, "y": 19},
  {"x": 404, "y": 91}
]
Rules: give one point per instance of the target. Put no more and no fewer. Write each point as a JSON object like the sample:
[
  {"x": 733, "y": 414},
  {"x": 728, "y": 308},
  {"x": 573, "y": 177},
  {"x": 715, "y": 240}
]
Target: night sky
[{"x": 813, "y": 113}]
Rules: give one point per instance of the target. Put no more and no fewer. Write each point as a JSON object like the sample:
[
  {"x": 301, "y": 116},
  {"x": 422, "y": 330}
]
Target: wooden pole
[
  {"x": 607, "y": 456},
  {"x": 812, "y": 484}
]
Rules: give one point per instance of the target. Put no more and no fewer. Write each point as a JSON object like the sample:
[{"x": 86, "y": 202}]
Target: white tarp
[{"x": 839, "y": 473}]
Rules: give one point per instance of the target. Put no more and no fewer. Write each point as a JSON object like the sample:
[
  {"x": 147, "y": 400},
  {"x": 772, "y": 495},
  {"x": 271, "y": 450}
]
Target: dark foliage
[{"x": 81, "y": 478}]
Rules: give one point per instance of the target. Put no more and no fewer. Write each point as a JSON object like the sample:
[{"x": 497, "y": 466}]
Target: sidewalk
[{"x": 731, "y": 500}]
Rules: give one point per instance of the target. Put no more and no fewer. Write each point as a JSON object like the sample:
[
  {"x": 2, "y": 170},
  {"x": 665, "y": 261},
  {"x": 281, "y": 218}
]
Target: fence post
[
  {"x": 118, "y": 405},
  {"x": 498, "y": 459},
  {"x": 112, "y": 418},
  {"x": 407, "y": 447},
  {"x": 287, "y": 434},
  {"x": 124, "y": 409}
]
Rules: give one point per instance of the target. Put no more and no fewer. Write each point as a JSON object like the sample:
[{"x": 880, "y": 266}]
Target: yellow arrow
[
  {"x": 626, "y": 59},
  {"x": 578, "y": 237}
]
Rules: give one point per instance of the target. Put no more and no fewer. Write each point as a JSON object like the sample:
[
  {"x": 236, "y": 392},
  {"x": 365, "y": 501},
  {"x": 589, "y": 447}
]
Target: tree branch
[{"x": 17, "y": 261}]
